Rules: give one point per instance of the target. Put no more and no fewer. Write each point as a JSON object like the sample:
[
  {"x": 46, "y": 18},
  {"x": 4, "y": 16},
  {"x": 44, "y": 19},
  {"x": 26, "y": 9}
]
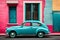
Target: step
[
  {"x": 54, "y": 34},
  {"x": 2, "y": 34}
]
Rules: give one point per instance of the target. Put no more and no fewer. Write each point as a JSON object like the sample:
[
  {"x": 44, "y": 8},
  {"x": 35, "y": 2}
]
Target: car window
[
  {"x": 36, "y": 24},
  {"x": 27, "y": 24}
]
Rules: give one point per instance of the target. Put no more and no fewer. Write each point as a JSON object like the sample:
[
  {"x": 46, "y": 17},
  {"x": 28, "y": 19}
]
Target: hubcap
[
  {"x": 12, "y": 35},
  {"x": 40, "y": 34}
]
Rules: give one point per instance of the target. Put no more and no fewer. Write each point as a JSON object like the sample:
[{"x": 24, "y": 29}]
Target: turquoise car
[{"x": 28, "y": 28}]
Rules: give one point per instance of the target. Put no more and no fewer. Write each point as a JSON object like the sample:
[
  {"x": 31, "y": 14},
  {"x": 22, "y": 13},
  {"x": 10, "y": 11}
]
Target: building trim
[{"x": 32, "y": 2}]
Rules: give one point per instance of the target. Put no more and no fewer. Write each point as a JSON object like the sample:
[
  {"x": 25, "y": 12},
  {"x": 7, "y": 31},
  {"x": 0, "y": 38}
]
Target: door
[
  {"x": 35, "y": 26},
  {"x": 56, "y": 21},
  {"x": 26, "y": 28}
]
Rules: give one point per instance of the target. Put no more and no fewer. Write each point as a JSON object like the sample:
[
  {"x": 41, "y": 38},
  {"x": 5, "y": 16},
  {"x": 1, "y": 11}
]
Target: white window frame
[{"x": 40, "y": 18}]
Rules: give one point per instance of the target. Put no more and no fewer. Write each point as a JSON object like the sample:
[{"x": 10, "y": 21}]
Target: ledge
[{"x": 12, "y": 1}]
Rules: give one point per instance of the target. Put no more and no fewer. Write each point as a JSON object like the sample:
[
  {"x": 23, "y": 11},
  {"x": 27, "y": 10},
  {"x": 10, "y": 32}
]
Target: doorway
[{"x": 56, "y": 21}]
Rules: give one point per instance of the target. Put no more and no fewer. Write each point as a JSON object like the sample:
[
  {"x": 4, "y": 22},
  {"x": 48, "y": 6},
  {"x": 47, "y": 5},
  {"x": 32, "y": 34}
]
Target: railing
[{"x": 12, "y": 1}]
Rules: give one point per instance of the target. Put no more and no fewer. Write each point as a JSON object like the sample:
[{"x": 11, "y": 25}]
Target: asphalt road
[{"x": 30, "y": 38}]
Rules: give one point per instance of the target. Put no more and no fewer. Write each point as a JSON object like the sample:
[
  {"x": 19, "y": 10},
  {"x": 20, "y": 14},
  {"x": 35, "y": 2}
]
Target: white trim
[
  {"x": 11, "y": 1},
  {"x": 32, "y": 2}
]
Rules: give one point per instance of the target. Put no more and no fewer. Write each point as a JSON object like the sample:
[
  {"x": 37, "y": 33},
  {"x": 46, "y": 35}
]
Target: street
[{"x": 30, "y": 38}]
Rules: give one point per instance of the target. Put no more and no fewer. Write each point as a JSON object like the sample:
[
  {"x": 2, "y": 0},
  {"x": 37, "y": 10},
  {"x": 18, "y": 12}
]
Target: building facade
[{"x": 15, "y": 12}]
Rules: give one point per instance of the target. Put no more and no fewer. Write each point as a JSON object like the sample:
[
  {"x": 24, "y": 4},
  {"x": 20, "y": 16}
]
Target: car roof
[{"x": 32, "y": 22}]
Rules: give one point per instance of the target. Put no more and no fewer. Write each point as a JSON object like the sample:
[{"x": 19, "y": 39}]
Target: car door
[
  {"x": 34, "y": 27},
  {"x": 26, "y": 28}
]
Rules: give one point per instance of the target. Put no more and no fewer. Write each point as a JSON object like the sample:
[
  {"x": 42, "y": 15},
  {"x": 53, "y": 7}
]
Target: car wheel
[
  {"x": 40, "y": 34},
  {"x": 12, "y": 34}
]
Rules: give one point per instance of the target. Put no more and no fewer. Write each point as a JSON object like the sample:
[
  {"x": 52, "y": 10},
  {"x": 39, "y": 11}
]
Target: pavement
[
  {"x": 30, "y": 38},
  {"x": 49, "y": 34},
  {"x": 53, "y": 36}
]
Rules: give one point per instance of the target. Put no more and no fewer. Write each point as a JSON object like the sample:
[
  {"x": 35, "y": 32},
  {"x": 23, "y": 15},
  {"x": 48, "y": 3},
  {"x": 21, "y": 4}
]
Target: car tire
[
  {"x": 12, "y": 34},
  {"x": 40, "y": 34}
]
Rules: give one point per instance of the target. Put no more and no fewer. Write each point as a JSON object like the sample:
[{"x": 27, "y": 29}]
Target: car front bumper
[{"x": 47, "y": 34}]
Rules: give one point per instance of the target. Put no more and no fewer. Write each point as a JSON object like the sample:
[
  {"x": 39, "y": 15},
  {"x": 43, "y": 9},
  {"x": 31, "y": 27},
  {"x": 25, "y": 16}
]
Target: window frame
[
  {"x": 9, "y": 15},
  {"x": 40, "y": 11}
]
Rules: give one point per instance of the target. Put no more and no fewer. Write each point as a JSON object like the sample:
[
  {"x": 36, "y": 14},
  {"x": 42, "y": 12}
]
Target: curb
[
  {"x": 52, "y": 34},
  {"x": 2, "y": 34}
]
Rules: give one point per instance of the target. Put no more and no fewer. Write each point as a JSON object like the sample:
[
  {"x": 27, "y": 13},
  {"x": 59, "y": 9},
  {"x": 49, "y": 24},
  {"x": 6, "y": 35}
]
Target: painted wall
[
  {"x": 48, "y": 12},
  {"x": 4, "y": 19},
  {"x": 20, "y": 12},
  {"x": 4, "y": 14},
  {"x": 56, "y": 14},
  {"x": 48, "y": 20},
  {"x": 56, "y": 5}
]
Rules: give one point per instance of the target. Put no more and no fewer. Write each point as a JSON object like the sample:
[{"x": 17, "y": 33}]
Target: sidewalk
[
  {"x": 54, "y": 34},
  {"x": 2, "y": 34}
]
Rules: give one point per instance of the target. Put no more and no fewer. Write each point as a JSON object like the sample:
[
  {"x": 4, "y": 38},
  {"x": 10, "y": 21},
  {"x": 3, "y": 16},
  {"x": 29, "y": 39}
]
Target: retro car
[{"x": 28, "y": 28}]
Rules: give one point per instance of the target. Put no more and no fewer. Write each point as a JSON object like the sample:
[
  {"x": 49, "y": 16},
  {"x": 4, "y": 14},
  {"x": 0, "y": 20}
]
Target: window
[
  {"x": 31, "y": 11},
  {"x": 12, "y": 14},
  {"x": 36, "y": 24},
  {"x": 27, "y": 24}
]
